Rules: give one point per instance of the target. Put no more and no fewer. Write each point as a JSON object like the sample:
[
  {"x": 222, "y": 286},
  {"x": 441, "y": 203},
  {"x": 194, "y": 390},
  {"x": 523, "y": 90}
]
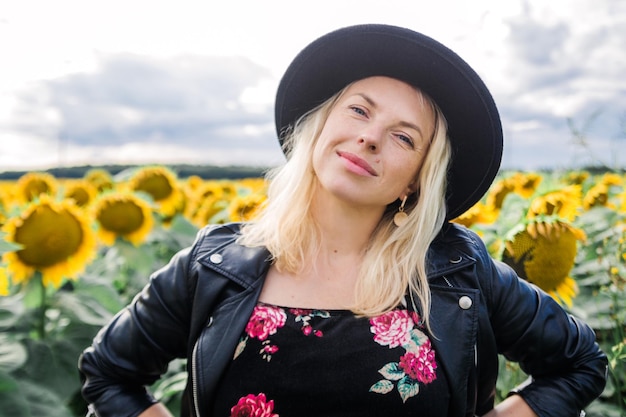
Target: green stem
[
  {"x": 41, "y": 324},
  {"x": 618, "y": 337}
]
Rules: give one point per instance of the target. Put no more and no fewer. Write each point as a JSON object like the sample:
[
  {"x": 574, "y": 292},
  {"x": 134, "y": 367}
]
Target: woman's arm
[
  {"x": 134, "y": 349},
  {"x": 558, "y": 351},
  {"x": 156, "y": 410},
  {"x": 513, "y": 406}
]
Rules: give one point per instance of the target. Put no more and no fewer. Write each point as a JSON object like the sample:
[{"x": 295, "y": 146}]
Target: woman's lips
[{"x": 357, "y": 165}]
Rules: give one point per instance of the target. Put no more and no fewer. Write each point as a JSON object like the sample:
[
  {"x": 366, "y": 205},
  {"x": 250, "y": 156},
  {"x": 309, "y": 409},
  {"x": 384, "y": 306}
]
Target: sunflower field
[{"x": 76, "y": 251}]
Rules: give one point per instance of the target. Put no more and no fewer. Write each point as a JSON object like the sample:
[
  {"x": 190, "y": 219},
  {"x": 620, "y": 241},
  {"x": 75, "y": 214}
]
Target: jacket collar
[{"x": 245, "y": 265}]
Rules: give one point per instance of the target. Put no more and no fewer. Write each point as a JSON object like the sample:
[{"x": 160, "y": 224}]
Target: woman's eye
[
  {"x": 358, "y": 110},
  {"x": 405, "y": 138}
]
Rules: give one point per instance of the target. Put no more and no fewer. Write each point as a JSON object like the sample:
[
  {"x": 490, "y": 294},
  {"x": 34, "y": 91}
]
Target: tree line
[{"x": 182, "y": 170}]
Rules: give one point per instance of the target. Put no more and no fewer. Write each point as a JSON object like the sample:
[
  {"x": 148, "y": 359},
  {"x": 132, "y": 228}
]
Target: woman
[{"x": 352, "y": 294}]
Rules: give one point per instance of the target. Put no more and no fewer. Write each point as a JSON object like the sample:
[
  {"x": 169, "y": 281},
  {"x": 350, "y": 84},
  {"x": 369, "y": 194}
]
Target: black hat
[{"x": 349, "y": 54}]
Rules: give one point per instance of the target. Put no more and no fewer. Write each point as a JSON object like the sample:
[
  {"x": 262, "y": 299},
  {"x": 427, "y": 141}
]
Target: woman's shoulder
[
  {"x": 455, "y": 248},
  {"x": 218, "y": 231},
  {"x": 215, "y": 235},
  {"x": 218, "y": 245},
  {"x": 453, "y": 234}
]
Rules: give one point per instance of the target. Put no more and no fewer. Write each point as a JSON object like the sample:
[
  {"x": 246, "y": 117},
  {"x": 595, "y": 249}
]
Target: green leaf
[
  {"x": 13, "y": 402},
  {"x": 24, "y": 398},
  {"x": 240, "y": 347},
  {"x": 52, "y": 364},
  {"x": 12, "y": 353},
  {"x": 603, "y": 409},
  {"x": 171, "y": 386},
  {"x": 8, "y": 246},
  {"x": 418, "y": 337},
  {"x": 382, "y": 387},
  {"x": 391, "y": 371},
  {"x": 11, "y": 310},
  {"x": 101, "y": 291},
  {"x": 184, "y": 229},
  {"x": 407, "y": 388},
  {"x": 84, "y": 309}
]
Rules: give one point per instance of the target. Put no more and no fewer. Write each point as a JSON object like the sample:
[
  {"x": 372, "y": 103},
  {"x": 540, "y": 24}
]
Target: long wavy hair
[{"x": 395, "y": 261}]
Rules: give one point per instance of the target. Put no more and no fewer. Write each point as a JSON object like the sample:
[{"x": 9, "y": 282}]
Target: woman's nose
[
  {"x": 371, "y": 138},
  {"x": 371, "y": 146}
]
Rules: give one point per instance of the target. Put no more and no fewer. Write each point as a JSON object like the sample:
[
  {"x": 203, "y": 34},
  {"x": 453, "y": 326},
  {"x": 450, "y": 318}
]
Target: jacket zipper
[
  {"x": 447, "y": 281},
  {"x": 194, "y": 380},
  {"x": 194, "y": 370}
]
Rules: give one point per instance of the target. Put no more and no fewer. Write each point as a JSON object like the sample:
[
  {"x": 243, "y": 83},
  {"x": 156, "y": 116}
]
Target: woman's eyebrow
[{"x": 402, "y": 123}]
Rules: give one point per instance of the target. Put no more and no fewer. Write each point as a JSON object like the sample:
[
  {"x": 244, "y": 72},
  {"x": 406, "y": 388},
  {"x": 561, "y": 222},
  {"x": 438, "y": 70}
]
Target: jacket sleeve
[
  {"x": 566, "y": 366},
  {"x": 136, "y": 346}
]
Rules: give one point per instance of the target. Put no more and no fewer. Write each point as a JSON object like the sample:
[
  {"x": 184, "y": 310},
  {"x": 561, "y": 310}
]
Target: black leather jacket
[{"x": 197, "y": 306}]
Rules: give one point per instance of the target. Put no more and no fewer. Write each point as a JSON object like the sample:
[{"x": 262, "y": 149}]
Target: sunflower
[
  {"x": 525, "y": 184},
  {"x": 478, "y": 213},
  {"x": 33, "y": 184},
  {"x": 205, "y": 191},
  {"x": 245, "y": 208},
  {"x": 82, "y": 192},
  {"x": 99, "y": 178},
  {"x": 622, "y": 199},
  {"x": 564, "y": 203},
  {"x": 123, "y": 215},
  {"x": 543, "y": 252},
  {"x": 193, "y": 182},
  {"x": 498, "y": 192},
  {"x": 255, "y": 185},
  {"x": 229, "y": 188},
  {"x": 206, "y": 213},
  {"x": 4, "y": 282},
  {"x": 56, "y": 240},
  {"x": 162, "y": 185},
  {"x": 3, "y": 209},
  {"x": 576, "y": 177},
  {"x": 610, "y": 178},
  {"x": 596, "y": 196}
]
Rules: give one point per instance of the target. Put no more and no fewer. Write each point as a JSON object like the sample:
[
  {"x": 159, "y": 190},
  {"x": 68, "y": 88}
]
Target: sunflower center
[
  {"x": 158, "y": 186},
  {"x": 79, "y": 195},
  {"x": 34, "y": 188},
  {"x": 48, "y": 237},
  {"x": 544, "y": 260},
  {"x": 121, "y": 217}
]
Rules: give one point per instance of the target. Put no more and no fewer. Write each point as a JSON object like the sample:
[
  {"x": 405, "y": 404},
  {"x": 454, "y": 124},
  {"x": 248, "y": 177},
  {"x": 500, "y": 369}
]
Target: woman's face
[{"x": 373, "y": 142}]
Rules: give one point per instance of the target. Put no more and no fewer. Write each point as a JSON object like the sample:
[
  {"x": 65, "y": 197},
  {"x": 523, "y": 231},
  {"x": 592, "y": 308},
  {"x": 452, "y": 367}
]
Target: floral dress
[{"x": 302, "y": 362}]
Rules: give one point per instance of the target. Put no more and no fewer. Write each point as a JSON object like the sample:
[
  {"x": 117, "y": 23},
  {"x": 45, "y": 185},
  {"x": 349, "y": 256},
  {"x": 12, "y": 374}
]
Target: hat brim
[{"x": 349, "y": 54}]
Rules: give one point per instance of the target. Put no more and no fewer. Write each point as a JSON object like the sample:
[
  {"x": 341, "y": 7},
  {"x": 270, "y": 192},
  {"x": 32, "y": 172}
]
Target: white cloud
[{"x": 196, "y": 75}]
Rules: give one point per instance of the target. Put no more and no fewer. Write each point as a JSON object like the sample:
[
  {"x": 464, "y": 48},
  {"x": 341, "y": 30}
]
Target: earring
[{"x": 400, "y": 217}]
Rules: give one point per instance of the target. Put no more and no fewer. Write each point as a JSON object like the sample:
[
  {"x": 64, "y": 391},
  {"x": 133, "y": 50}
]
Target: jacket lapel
[{"x": 454, "y": 323}]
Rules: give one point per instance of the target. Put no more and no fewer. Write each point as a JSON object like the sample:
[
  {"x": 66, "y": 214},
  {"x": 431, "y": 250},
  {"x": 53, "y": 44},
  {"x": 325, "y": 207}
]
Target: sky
[{"x": 86, "y": 82}]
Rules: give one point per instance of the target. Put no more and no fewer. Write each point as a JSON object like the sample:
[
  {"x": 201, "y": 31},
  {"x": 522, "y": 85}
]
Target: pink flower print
[
  {"x": 253, "y": 406},
  {"x": 420, "y": 366},
  {"x": 304, "y": 316},
  {"x": 415, "y": 317},
  {"x": 267, "y": 350},
  {"x": 307, "y": 330},
  {"x": 393, "y": 328},
  {"x": 265, "y": 320},
  {"x": 301, "y": 311},
  {"x": 270, "y": 349}
]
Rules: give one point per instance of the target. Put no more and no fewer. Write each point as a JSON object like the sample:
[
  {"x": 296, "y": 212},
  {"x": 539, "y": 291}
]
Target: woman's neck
[{"x": 344, "y": 229}]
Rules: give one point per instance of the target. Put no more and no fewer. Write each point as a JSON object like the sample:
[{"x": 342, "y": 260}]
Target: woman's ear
[{"x": 411, "y": 188}]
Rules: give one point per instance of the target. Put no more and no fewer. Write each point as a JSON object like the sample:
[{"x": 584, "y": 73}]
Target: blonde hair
[{"x": 396, "y": 257}]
